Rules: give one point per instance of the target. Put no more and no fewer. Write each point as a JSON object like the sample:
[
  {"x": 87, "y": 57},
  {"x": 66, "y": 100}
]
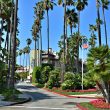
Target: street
[{"x": 43, "y": 100}]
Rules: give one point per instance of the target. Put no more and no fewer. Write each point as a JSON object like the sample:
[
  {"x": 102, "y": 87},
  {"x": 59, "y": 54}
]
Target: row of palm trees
[
  {"x": 26, "y": 53},
  {"x": 72, "y": 11},
  {"x": 9, "y": 22}
]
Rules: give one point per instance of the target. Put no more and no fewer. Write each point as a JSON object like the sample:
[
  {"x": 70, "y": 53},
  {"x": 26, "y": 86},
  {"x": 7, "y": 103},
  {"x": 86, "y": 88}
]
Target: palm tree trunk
[
  {"x": 23, "y": 62},
  {"x": 48, "y": 33},
  {"x": 1, "y": 32},
  {"x": 71, "y": 30},
  {"x": 10, "y": 47},
  {"x": 40, "y": 47},
  {"x": 64, "y": 31},
  {"x": 20, "y": 60},
  {"x": 14, "y": 45},
  {"x": 26, "y": 62},
  {"x": 104, "y": 25},
  {"x": 77, "y": 59},
  {"x": 35, "y": 54},
  {"x": 98, "y": 22},
  {"x": 38, "y": 54}
]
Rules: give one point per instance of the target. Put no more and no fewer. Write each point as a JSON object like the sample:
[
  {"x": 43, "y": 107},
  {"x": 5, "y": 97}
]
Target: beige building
[{"x": 52, "y": 58}]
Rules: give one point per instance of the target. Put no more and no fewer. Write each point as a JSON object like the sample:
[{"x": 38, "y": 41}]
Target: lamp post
[
  {"x": 82, "y": 66},
  {"x": 84, "y": 46}
]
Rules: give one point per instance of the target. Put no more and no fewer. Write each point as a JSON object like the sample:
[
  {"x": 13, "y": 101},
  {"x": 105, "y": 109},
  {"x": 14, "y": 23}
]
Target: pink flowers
[{"x": 100, "y": 104}]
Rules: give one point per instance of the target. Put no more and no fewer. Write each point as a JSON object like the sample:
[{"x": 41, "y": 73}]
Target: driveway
[{"x": 43, "y": 100}]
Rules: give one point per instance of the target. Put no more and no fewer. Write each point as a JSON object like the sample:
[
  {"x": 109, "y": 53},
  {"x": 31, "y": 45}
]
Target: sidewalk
[
  {"x": 94, "y": 96},
  {"x": 7, "y": 103}
]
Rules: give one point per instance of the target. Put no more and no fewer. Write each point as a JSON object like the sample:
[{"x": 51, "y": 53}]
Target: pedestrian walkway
[{"x": 88, "y": 96}]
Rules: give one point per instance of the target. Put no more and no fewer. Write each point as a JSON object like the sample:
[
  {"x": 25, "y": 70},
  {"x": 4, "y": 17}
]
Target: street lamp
[{"x": 84, "y": 46}]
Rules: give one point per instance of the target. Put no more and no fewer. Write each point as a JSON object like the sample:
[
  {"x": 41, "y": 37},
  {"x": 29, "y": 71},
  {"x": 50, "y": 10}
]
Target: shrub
[
  {"x": 39, "y": 85},
  {"x": 88, "y": 82},
  {"x": 36, "y": 75},
  {"x": 68, "y": 84},
  {"x": 68, "y": 76},
  {"x": 45, "y": 74},
  {"x": 10, "y": 94},
  {"x": 49, "y": 65},
  {"x": 73, "y": 80},
  {"x": 53, "y": 79},
  {"x": 77, "y": 81}
]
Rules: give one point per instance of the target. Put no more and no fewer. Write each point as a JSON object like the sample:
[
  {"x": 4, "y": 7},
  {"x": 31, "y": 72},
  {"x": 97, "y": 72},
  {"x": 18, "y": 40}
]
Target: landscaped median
[{"x": 10, "y": 97}]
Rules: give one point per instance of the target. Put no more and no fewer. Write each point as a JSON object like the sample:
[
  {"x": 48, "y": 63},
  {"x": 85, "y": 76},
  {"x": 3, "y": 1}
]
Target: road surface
[{"x": 43, "y": 100}]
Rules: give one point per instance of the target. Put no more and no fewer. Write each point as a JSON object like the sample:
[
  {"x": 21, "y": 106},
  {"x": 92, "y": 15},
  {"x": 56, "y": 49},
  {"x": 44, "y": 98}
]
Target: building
[{"x": 51, "y": 58}]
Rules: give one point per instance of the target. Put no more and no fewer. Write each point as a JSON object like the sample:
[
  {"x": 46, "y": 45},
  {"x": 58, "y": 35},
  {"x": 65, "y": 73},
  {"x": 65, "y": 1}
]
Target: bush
[
  {"x": 68, "y": 84},
  {"x": 39, "y": 85},
  {"x": 45, "y": 74},
  {"x": 71, "y": 81},
  {"x": 53, "y": 79},
  {"x": 49, "y": 65},
  {"x": 36, "y": 75},
  {"x": 10, "y": 94},
  {"x": 77, "y": 81},
  {"x": 68, "y": 76},
  {"x": 88, "y": 82}
]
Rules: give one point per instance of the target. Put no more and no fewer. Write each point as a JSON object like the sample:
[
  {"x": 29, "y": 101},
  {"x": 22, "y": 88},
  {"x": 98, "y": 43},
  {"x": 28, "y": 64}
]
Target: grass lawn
[
  {"x": 90, "y": 107},
  {"x": 71, "y": 93},
  {"x": 15, "y": 99}
]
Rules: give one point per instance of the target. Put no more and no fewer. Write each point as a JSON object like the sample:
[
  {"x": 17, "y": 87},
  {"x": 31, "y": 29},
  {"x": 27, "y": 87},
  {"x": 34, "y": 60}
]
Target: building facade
[{"x": 43, "y": 58}]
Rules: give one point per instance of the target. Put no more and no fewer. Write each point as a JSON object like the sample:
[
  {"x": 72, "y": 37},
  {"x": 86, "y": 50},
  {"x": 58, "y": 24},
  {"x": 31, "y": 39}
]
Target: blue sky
[{"x": 26, "y": 13}]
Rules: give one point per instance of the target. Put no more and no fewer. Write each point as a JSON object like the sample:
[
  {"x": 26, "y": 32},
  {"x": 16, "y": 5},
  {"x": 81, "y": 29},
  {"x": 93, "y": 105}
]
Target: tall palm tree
[
  {"x": 105, "y": 4},
  {"x": 27, "y": 51},
  {"x": 80, "y": 5},
  {"x": 98, "y": 21},
  {"x": 20, "y": 54},
  {"x": 92, "y": 40},
  {"x": 72, "y": 19},
  {"x": 39, "y": 12},
  {"x": 14, "y": 43},
  {"x": 24, "y": 52},
  {"x": 29, "y": 41},
  {"x": 48, "y": 4},
  {"x": 35, "y": 30}
]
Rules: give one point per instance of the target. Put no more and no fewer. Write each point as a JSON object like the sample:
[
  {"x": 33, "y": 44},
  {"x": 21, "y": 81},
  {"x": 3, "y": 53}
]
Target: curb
[
  {"x": 27, "y": 100},
  {"x": 71, "y": 96},
  {"x": 81, "y": 107}
]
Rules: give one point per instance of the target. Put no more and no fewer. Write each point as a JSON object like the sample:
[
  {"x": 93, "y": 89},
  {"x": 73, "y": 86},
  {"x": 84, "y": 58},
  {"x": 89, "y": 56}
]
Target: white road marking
[{"x": 39, "y": 107}]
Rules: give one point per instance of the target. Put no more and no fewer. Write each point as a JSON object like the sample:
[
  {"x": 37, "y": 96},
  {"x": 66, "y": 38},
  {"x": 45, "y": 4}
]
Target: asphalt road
[{"x": 43, "y": 100}]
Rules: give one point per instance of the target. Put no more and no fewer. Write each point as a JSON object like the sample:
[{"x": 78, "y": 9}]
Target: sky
[{"x": 26, "y": 16}]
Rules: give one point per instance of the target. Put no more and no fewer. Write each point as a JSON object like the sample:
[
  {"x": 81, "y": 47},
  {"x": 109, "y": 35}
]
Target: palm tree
[
  {"x": 92, "y": 40},
  {"x": 99, "y": 68},
  {"x": 14, "y": 43},
  {"x": 105, "y": 4},
  {"x": 20, "y": 53},
  {"x": 80, "y": 5},
  {"x": 48, "y": 4},
  {"x": 24, "y": 52},
  {"x": 98, "y": 21},
  {"x": 29, "y": 41},
  {"x": 72, "y": 18},
  {"x": 39, "y": 12},
  {"x": 35, "y": 30},
  {"x": 27, "y": 51}
]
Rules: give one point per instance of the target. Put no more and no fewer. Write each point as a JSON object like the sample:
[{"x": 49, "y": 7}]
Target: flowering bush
[{"x": 100, "y": 104}]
